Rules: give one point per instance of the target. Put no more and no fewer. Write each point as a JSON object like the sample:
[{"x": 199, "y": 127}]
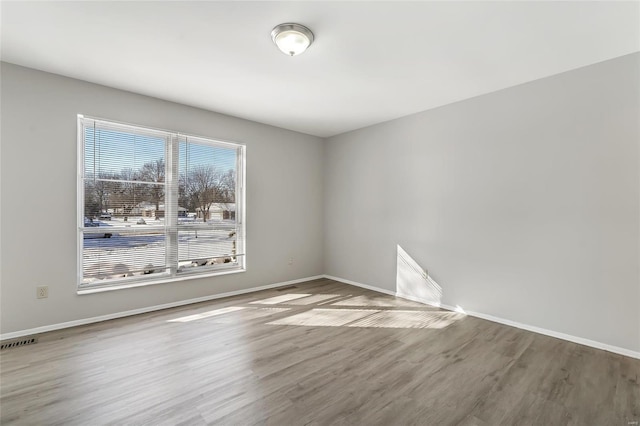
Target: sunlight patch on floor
[
  {"x": 365, "y": 318},
  {"x": 325, "y": 317},
  {"x": 376, "y": 301},
  {"x": 316, "y": 298},
  {"x": 408, "y": 319},
  {"x": 280, "y": 299},
  {"x": 247, "y": 314},
  {"x": 207, "y": 314},
  {"x": 459, "y": 309},
  {"x": 231, "y": 314}
]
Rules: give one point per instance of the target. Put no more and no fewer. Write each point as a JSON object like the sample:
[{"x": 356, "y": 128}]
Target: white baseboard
[
  {"x": 551, "y": 333},
  {"x": 556, "y": 334},
  {"x": 84, "y": 321}
]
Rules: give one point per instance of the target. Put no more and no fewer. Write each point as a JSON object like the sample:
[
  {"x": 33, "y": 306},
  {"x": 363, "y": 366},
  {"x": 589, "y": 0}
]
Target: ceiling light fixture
[{"x": 292, "y": 39}]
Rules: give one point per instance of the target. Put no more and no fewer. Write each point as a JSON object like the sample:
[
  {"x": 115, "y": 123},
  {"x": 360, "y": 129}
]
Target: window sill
[{"x": 166, "y": 280}]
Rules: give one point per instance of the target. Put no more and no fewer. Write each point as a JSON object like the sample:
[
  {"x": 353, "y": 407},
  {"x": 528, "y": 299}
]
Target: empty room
[{"x": 320, "y": 213}]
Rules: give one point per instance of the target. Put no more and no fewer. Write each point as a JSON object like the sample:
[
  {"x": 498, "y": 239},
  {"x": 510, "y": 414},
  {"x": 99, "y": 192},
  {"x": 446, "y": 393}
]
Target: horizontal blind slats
[{"x": 125, "y": 183}]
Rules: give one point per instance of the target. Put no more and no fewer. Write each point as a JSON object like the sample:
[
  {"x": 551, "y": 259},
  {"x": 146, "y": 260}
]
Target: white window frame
[{"x": 171, "y": 226}]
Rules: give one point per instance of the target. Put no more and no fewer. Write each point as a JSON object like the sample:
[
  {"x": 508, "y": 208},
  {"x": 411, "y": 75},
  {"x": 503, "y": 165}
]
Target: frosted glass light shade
[{"x": 292, "y": 39}]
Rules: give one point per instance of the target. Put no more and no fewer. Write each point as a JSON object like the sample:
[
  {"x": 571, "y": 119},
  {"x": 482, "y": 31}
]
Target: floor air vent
[
  {"x": 291, "y": 287},
  {"x": 16, "y": 343}
]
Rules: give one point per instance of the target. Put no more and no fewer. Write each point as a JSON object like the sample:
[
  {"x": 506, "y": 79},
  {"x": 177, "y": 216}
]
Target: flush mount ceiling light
[{"x": 292, "y": 39}]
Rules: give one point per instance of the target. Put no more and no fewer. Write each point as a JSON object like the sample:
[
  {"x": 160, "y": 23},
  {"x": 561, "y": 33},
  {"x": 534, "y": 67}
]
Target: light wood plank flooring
[{"x": 320, "y": 353}]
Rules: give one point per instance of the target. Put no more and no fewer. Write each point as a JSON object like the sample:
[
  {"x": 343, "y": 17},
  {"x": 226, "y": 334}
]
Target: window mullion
[{"x": 171, "y": 202}]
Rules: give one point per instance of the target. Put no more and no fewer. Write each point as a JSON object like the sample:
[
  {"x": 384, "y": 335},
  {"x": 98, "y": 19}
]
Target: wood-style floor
[{"x": 320, "y": 353}]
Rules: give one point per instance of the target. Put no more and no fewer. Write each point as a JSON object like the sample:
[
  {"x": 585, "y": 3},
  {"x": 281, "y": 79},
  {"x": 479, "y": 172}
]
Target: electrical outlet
[
  {"x": 290, "y": 261},
  {"x": 42, "y": 292}
]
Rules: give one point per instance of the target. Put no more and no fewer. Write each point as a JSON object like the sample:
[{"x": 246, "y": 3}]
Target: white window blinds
[{"x": 155, "y": 204}]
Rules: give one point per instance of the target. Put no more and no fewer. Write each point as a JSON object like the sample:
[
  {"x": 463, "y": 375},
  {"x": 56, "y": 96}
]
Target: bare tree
[
  {"x": 228, "y": 187},
  {"x": 99, "y": 193},
  {"x": 203, "y": 187},
  {"x": 154, "y": 171},
  {"x": 228, "y": 193},
  {"x": 184, "y": 197},
  {"x": 91, "y": 201},
  {"x": 128, "y": 192}
]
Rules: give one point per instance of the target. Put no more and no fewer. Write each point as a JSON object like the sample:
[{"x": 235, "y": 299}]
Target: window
[{"x": 156, "y": 206}]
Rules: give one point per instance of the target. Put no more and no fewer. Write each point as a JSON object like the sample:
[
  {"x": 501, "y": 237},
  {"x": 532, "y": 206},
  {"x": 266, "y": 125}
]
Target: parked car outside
[{"x": 90, "y": 223}]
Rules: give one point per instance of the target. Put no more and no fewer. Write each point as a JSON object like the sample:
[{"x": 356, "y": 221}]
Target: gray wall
[
  {"x": 523, "y": 204},
  {"x": 38, "y": 174}
]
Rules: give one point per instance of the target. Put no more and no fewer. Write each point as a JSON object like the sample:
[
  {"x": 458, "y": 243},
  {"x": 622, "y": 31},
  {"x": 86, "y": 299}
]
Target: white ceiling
[{"x": 370, "y": 62}]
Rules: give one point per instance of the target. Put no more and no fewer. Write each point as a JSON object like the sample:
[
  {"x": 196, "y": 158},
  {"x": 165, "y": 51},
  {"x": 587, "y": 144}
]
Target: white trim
[
  {"x": 551, "y": 333},
  {"x": 84, "y": 321},
  {"x": 556, "y": 334},
  {"x": 161, "y": 279},
  {"x": 357, "y": 284},
  {"x": 539, "y": 330}
]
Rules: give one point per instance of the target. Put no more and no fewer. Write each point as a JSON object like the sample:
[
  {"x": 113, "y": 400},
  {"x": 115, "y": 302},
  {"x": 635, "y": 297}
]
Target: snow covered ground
[{"x": 137, "y": 249}]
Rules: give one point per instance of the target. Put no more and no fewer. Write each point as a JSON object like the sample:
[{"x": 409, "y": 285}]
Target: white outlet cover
[{"x": 42, "y": 292}]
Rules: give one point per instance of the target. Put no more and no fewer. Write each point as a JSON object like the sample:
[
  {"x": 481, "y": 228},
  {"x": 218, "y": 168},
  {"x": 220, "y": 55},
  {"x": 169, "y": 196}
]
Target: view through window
[{"x": 156, "y": 205}]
